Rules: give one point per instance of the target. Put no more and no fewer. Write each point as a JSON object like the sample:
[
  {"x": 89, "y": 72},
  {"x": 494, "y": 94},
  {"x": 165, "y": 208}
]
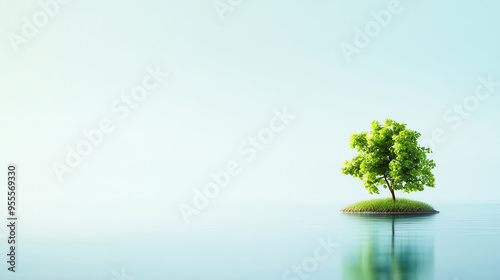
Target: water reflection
[{"x": 389, "y": 247}]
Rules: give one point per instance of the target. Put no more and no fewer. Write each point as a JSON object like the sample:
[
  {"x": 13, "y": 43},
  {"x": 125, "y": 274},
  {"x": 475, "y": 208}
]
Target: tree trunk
[
  {"x": 393, "y": 196},
  {"x": 390, "y": 189}
]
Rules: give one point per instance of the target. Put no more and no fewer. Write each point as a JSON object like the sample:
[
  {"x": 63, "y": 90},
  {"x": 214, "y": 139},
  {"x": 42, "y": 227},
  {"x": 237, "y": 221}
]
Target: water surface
[{"x": 261, "y": 242}]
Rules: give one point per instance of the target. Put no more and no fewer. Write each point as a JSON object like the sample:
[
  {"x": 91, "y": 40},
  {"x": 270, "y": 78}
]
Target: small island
[
  {"x": 387, "y": 206},
  {"x": 390, "y": 157}
]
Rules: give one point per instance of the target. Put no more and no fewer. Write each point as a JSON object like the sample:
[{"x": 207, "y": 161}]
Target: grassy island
[{"x": 387, "y": 206}]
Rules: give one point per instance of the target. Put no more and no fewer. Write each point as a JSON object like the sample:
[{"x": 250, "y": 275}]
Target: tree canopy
[{"x": 390, "y": 156}]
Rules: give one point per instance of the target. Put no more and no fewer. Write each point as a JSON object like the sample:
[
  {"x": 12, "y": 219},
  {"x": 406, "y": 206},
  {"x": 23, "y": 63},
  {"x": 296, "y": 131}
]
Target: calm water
[{"x": 281, "y": 242}]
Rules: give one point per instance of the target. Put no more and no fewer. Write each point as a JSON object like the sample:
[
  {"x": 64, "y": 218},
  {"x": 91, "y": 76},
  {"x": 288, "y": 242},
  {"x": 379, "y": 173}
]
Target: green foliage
[
  {"x": 387, "y": 205},
  {"x": 390, "y": 156}
]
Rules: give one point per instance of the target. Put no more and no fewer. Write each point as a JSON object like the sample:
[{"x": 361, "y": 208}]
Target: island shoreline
[{"x": 389, "y": 213}]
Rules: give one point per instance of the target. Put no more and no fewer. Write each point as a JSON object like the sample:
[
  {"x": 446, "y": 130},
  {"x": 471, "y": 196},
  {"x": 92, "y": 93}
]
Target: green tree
[{"x": 390, "y": 156}]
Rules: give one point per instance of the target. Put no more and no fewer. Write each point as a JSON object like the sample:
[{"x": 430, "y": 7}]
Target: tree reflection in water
[{"x": 392, "y": 247}]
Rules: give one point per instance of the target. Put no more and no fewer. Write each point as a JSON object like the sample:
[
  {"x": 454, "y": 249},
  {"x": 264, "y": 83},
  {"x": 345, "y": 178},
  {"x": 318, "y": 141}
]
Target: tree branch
[{"x": 387, "y": 181}]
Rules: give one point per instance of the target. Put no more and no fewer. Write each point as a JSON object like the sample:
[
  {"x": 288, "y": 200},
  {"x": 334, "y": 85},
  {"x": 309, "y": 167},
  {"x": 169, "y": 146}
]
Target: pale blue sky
[{"x": 226, "y": 78}]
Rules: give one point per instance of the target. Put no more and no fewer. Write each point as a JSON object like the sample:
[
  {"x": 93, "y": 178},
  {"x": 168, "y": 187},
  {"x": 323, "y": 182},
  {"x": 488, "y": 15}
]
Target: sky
[{"x": 302, "y": 76}]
